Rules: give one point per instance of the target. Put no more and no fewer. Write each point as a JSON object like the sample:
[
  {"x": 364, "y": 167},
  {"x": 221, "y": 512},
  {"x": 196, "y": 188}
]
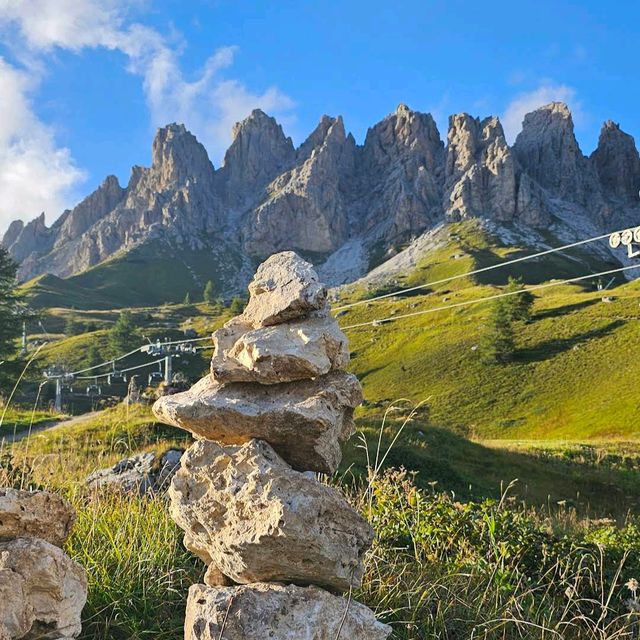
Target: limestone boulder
[
  {"x": 282, "y": 353},
  {"x": 144, "y": 473},
  {"x": 285, "y": 287},
  {"x": 35, "y": 514},
  {"x": 258, "y": 520},
  {"x": 304, "y": 421},
  {"x": 43, "y": 591},
  {"x": 278, "y": 612}
]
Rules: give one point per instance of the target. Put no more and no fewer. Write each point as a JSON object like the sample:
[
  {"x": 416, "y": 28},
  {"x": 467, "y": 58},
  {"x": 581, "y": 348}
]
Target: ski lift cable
[
  {"x": 504, "y": 294},
  {"x": 106, "y": 375},
  {"x": 104, "y": 364},
  {"x": 475, "y": 271},
  {"x": 130, "y": 353}
]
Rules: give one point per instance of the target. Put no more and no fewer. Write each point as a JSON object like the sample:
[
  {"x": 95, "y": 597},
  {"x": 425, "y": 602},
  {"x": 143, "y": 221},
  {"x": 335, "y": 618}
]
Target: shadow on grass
[
  {"x": 474, "y": 471},
  {"x": 564, "y": 310},
  {"x": 550, "y": 348}
]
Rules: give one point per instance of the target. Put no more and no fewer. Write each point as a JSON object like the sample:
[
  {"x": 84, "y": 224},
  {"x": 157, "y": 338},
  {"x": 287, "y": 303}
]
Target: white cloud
[
  {"x": 35, "y": 174},
  {"x": 208, "y": 104},
  {"x": 526, "y": 102}
]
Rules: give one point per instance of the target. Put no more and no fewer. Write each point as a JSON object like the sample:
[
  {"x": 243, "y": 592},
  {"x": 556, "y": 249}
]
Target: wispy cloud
[
  {"x": 35, "y": 173},
  {"x": 208, "y": 104},
  {"x": 524, "y": 103}
]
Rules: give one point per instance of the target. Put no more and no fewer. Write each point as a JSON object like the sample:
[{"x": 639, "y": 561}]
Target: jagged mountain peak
[
  {"x": 177, "y": 156},
  {"x": 405, "y": 132},
  {"x": 328, "y": 126},
  {"x": 548, "y": 150},
  {"x": 259, "y": 152},
  {"x": 331, "y": 195},
  {"x": 617, "y": 163}
]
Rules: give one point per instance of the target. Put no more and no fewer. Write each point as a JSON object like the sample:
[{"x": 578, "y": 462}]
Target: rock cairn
[
  {"x": 42, "y": 591},
  {"x": 280, "y": 547}
]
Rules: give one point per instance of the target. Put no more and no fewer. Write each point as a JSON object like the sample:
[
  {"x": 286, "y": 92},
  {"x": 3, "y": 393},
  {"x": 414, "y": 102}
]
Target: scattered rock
[
  {"x": 304, "y": 421},
  {"x": 260, "y": 521},
  {"x": 37, "y": 514},
  {"x": 282, "y": 353},
  {"x": 43, "y": 591},
  {"x": 285, "y": 287},
  {"x": 140, "y": 474},
  {"x": 260, "y": 611}
]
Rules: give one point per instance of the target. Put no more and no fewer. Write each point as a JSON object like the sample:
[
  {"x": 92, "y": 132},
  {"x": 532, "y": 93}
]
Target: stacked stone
[
  {"x": 279, "y": 545},
  {"x": 42, "y": 591}
]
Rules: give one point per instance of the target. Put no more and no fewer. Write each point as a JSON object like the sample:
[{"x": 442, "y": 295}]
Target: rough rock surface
[
  {"x": 484, "y": 179},
  {"x": 140, "y": 474},
  {"x": 43, "y": 591},
  {"x": 304, "y": 421},
  {"x": 306, "y": 207},
  {"x": 258, "y": 520},
  {"x": 285, "y": 287},
  {"x": 279, "y": 612},
  {"x": 282, "y": 353},
  {"x": 37, "y": 514},
  {"x": 618, "y": 164}
]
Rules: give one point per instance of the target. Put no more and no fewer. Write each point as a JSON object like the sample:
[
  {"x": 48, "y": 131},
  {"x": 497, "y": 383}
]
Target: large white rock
[
  {"x": 43, "y": 591},
  {"x": 304, "y": 421},
  {"x": 283, "y": 353},
  {"x": 285, "y": 287},
  {"x": 277, "y": 612},
  {"x": 35, "y": 514},
  {"x": 245, "y": 511}
]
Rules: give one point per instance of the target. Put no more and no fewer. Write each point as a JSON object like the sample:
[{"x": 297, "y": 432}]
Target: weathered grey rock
[
  {"x": 484, "y": 180},
  {"x": 617, "y": 163},
  {"x": 304, "y": 421},
  {"x": 283, "y": 353},
  {"x": 285, "y": 287},
  {"x": 548, "y": 151},
  {"x": 258, "y": 520},
  {"x": 140, "y": 474},
  {"x": 278, "y": 612},
  {"x": 43, "y": 591},
  {"x": 259, "y": 152},
  {"x": 400, "y": 174},
  {"x": 35, "y": 514}
]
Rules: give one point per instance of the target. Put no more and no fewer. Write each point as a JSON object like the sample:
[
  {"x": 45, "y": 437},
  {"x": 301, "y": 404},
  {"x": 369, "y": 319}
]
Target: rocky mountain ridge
[{"x": 332, "y": 197}]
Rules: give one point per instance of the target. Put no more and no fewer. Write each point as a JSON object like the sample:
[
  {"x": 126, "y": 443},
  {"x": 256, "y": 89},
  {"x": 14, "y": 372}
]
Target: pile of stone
[
  {"x": 279, "y": 545},
  {"x": 42, "y": 591}
]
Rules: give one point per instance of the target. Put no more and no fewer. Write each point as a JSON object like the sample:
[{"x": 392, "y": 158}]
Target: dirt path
[{"x": 11, "y": 438}]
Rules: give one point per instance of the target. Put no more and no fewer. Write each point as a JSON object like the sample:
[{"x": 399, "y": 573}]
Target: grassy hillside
[
  {"x": 151, "y": 274},
  {"x": 573, "y": 373}
]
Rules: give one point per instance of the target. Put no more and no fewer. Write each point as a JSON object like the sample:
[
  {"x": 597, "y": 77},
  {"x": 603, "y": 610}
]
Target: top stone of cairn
[{"x": 285, "y": 287}]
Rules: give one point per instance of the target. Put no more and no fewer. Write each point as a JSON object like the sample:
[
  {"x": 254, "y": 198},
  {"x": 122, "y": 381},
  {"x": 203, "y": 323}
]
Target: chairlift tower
[{"x": 168, "y": 351}]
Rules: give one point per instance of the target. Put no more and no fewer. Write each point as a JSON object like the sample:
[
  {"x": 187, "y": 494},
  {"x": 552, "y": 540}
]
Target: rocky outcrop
[
  {"x": 40, "y": 514},
  {"x": 144, "y": 473},
  {"x": 258, "y": 153},
  {"x": 250, "y": 511},
  {"x": 618, "y": 164},
  {"x": 483, "y": 179},
  {"x": 401, "y": 172},
  {"x": 281, "y": 525},
  {"x": 101, "y": 202},
  {"x": 282, "y": 612},
  {"x": 42, "y": 591},
  {"x": 306, "y": 208},
  {"x": 548, "y": 151}
]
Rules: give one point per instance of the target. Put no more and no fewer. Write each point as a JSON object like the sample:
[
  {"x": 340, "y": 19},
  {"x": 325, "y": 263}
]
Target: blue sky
[{"x": 84, "y": 83}]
